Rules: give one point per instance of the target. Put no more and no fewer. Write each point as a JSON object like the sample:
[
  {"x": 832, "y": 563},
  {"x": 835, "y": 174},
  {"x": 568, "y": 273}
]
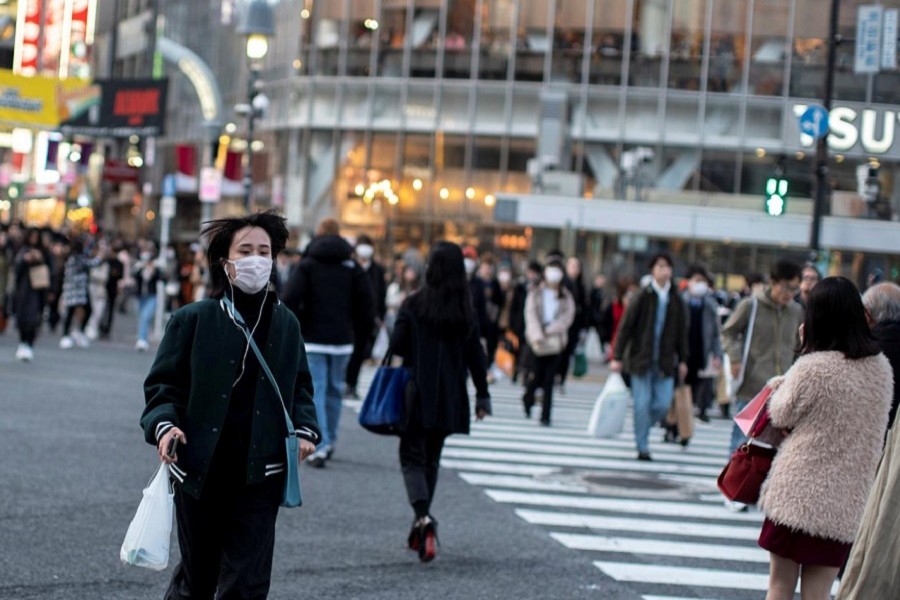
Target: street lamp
[{"x": 257, "y": 26}]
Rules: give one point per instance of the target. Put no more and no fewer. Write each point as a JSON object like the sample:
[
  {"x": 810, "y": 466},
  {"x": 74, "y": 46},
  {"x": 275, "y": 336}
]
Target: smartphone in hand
[{"x": 173, "y": 445}]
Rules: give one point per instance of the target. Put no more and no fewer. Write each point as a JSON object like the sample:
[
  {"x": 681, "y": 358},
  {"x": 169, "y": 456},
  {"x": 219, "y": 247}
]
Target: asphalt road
[{"x": 74, "y": 463}]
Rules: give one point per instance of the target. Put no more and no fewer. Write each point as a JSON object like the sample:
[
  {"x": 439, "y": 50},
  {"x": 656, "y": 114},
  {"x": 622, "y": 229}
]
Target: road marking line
[
  {"x": 657, "y": 547},
  {"x": 585, "y": 463},
  {"x": 522, "y": 483},
  {"x": 712, "y": 578},
  {"x": 489, "y": 467},
  {"x": 639, "y": 525},
  {"x": 625, "y": 505}
]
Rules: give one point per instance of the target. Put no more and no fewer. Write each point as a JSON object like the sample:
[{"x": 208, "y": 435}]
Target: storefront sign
[
  {"x": 42, "y": 102},
  {"x": 210, "y": 184},
  {"x": 127, "y": 107},
  {"x": 863, "y": 130}
]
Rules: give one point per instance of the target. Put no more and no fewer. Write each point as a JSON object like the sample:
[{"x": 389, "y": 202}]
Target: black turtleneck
[{"x": 234, "y": 444}]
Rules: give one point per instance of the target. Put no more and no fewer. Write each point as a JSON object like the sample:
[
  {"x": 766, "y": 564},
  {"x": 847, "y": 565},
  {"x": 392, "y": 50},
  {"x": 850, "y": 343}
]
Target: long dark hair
[
  {"x": 836, "y": 320},
  {"x": 445, "y": 300},
  {"x": 220, "y": 234}
]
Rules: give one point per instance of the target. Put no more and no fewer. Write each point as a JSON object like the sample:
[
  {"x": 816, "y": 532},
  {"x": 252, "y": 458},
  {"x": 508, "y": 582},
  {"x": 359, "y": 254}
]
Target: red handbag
[{"x": 747, "y": 469}]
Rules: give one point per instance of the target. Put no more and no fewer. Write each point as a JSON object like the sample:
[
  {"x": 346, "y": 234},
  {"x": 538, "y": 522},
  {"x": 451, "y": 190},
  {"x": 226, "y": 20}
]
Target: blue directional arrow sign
[{"x": 814, "y": 121}]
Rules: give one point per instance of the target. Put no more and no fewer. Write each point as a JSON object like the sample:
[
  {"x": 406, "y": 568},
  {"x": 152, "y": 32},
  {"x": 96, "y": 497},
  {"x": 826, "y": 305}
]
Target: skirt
[{"x": 802, "y": 548}]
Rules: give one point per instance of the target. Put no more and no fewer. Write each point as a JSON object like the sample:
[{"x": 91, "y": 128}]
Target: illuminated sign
[{"x": 865, "y": 130}]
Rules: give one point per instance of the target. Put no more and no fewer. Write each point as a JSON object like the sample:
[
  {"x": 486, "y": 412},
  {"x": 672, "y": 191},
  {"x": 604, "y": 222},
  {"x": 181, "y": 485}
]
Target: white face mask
[
  {"x": 553, "y": 275},
  {"x": 471, "y": 264},
  {"x": 504, "y": 277},
  {"x": 699, "y": 288},
  {"x": 251, "y": 273},
  {"x": 365, "y": 251}
]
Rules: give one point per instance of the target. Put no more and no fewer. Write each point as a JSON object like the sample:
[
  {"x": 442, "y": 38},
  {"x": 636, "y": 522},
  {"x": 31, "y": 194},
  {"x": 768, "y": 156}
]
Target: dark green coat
[{"x": 191, "y": 380}]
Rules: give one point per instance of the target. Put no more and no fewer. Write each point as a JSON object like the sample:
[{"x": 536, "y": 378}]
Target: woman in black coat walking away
[
  {"x": 437, "y": 336},
  {"x": 32, "y": 280}
]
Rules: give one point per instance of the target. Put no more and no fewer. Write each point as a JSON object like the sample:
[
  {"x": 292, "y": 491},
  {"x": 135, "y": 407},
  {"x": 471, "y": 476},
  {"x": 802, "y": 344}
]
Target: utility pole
[{"x": 822, "y": 170}]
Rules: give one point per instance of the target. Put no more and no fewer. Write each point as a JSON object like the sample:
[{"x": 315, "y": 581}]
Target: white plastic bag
[
  {"x": 608, "y": 416},
  {"x": 382, "y": 341},
  {"x": 147, "y": 541}
]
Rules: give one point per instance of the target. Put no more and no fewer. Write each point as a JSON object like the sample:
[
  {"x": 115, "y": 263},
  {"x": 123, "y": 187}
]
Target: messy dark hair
[{"x": 220, "y": 235}]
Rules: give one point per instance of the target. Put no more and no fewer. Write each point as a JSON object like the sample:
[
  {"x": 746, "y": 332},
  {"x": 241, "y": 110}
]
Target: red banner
[{"x": 186, "y": 159}]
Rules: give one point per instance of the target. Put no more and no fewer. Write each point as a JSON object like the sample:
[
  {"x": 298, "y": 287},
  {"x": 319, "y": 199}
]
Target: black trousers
[
  {"x": 226, "y": 540},
  {"x": 545, "y": 370},
  {"x": 70, "y": 316},
  {"x": 109, "y": 312},
  {"x": 362, "y": 350},
  {"x": 702, "y": 393},
  {"x": 568, "y": 353},
  {"x": 420, "y": 459}
]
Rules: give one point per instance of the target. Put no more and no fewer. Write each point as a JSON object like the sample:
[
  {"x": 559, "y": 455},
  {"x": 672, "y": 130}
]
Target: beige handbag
[
  {"x": 549, "y": 345},
  {"x": 39, "y": 277}
]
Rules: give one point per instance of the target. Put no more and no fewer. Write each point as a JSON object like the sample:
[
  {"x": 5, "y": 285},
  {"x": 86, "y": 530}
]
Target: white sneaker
[
  {"x": 92, "y": 333},
  {"x": 24, "y": 353},
  {"x": 66, "y": 343},
  {"x": 142, "y": 346},
  {"x": 81, "y": 340}
]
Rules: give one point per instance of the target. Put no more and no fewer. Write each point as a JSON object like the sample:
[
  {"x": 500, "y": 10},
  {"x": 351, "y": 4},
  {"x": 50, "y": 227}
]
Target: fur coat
[{"x": 837, "y": 411}]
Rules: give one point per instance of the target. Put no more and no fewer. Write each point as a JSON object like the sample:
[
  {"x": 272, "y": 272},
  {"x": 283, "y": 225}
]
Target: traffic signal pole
[{"x": 822, "y": 185}]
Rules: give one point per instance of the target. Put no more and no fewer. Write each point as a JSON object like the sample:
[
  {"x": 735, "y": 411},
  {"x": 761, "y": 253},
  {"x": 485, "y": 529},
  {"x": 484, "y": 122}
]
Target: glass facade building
[{"x": 416, "y": 119}]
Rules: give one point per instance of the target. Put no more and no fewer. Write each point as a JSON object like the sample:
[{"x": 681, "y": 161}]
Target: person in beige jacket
[
  {"x": 549, "y": 312},
  {"x": 773, "y": 337},
  {"x": 834, "y": 405}
]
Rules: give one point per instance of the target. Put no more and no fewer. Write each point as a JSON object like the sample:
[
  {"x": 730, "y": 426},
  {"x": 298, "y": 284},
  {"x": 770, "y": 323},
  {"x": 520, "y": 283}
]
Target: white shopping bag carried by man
[
  {"x": 608, "y": 416},
  {"x": 147, "y": 541}
]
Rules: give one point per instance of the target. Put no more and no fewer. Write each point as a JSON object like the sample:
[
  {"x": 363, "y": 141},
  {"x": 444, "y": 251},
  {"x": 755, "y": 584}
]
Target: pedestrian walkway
[{"x": 659, "y": 526}]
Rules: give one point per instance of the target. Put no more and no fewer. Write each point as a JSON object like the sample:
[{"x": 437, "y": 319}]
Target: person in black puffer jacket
[{"x": 333, "y": 300}]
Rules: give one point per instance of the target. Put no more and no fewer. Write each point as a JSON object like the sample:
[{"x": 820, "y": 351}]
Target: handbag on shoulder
[
  {"x": 742, "y": 478},
  {"x": 39, "y": 277},
  {"x": 384, "y": 410},
  {"x": 548, "y": 345}
]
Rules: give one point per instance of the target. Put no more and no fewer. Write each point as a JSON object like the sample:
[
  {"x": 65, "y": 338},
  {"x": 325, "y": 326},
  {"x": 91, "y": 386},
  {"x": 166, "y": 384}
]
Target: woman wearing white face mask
[
  {"x": 704, "y": 343},
  {"x": 549, "y": 311},
  {"x": 208, "y": 394}
]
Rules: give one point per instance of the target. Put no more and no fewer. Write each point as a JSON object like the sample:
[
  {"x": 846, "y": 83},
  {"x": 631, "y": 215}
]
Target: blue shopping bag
[{"x": 384, "y": 409}]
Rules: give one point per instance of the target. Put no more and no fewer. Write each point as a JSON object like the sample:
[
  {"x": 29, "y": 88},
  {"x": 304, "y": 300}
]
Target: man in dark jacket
[
  {"x": 882, "y": 302},
  {"x": 652, "y": 341},
  {"x": 362, "y": 346},
  {"x": 332, "y": 297}
]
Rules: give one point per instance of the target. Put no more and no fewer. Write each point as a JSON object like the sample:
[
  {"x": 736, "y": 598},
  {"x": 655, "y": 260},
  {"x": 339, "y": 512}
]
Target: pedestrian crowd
[
  {"x": 75, "y": 283},
  {"x": 216, "y": 410}
]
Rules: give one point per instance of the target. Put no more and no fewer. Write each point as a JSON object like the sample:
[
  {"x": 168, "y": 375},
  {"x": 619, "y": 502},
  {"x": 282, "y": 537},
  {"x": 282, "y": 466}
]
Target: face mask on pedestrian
[
  {"x": 251, "y": 273},
  {"x": 553, "y": 275},
  {"x": 365, "y": 251},
  {"x": 699, "y": 288},
  {"x": 504, "y": 277},
  {"x": 145, "y": 256},
  {"x": 471, "y": 264}
]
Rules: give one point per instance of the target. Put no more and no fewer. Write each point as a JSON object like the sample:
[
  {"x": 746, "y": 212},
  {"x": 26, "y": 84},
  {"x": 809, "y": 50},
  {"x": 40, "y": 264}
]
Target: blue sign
[
  {"x": 814, "y": 121},
  {"x": 168, "y": 187}
]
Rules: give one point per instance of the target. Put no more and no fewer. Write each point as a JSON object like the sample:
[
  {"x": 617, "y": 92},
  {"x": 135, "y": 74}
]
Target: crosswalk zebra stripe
[
  {"x": 561, "y": 448},
  {"x": 639, "y": 525},
  {"x": 625, "y": 440},
  {"x": 521, "y": 483},
  {"x": 711, "y": 578},
  {"x": 585, "y": 463},
  {"x": 622, "y": 505},
  {"x": 658, "y": 547},
  {"x": 490, "y": 467}
]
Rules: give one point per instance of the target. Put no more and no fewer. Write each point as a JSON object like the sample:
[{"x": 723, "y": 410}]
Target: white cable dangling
[{"x": 244, "y": 329}]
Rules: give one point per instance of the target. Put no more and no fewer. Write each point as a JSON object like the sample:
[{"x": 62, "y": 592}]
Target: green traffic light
[{"x": 776, "y": 196}]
